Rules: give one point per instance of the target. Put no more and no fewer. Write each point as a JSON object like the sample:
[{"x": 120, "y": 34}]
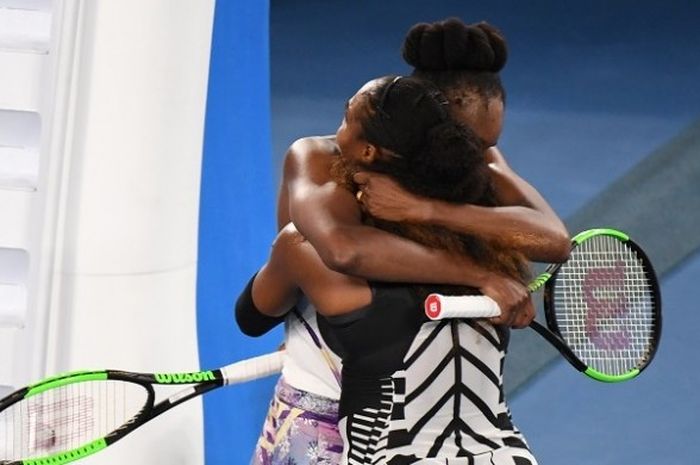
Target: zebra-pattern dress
[{"x": 421, "y": 392}]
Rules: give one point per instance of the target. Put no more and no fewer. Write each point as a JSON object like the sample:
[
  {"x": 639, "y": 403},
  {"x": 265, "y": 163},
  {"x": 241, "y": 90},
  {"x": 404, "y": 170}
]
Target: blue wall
[{"x": 236, "y": 219}]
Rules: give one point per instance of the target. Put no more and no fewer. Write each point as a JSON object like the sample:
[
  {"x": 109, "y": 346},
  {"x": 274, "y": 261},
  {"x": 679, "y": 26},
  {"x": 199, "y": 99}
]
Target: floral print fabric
[{"x": 300, "y": 429}]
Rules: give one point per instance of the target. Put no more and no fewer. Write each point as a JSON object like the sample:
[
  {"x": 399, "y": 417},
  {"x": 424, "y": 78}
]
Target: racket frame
[
  {"x": 198, "y": 383},
  {"x": 552, "y": 333}
]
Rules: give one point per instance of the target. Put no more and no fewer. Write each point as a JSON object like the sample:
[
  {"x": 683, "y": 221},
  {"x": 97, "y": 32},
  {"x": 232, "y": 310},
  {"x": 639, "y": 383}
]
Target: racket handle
[
  {"x": 253, "y": 368},
  {"x": 438, "y": 307}
]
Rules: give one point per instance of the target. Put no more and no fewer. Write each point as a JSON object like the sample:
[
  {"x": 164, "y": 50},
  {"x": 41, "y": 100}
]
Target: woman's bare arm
[
  {"x": 328, "y": 216},
  {"x": 295, "y": 266},
  {"x": 525, "y": 220}
]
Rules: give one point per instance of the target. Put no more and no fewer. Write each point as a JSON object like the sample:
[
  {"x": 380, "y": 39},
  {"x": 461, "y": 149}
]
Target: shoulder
[
  {"x": 313, "y": 147},
  {"x": 287, "y": 237},
  {"x": 494, "y": 156},
  {"x": 309, "y": 159}
]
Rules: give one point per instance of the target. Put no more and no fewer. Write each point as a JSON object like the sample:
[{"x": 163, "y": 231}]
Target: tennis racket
[
  {"x": 602, "y": 306},
  {"x": 73, "y": 415}
]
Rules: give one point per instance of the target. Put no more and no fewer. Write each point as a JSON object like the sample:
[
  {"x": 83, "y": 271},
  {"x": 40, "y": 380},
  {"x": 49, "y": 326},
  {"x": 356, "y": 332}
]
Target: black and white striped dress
[{"x": 422, "y": 392}]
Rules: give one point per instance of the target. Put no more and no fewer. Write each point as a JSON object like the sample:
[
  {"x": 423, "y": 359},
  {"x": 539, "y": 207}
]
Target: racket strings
[
  {"x": 67, "y": 417},
  {"x": 604, "y": 306}
]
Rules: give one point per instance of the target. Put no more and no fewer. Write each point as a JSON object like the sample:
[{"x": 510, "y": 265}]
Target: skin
[
  {"x": 328, "y": 216},
  {"x": 524, "y": 221},
  {"x": 295, "y": 265},
  {"x": 278, "y": 285}
]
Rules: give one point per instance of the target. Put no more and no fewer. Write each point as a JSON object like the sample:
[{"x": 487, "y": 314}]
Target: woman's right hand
[
  {"x": 383, "y": 197},
  {"x": 513, "y": 298}
]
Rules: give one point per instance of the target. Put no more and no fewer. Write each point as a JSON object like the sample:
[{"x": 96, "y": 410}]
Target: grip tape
[{"x": 438, "y": 306}]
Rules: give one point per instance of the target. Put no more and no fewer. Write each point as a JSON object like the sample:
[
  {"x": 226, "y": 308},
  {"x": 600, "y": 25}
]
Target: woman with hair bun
[
  {"x": 464, "y": 60},
  {"x": 301, "y": 423},
  {"x": 413, "y": 390}
]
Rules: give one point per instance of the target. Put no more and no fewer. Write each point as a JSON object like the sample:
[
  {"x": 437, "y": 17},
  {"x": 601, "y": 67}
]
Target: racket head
[
  {"x": 103, "y": 414},
  {"x": 70, "y": 416},
  {"x": 605, "y": 305}
]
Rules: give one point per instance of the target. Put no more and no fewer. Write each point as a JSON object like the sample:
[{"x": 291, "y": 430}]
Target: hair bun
[{"x": 454, "y": 45}]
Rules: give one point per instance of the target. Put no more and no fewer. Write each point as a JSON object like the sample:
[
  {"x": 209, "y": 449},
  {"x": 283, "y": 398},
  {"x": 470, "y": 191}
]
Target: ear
[{"x": 370, "y": 153}]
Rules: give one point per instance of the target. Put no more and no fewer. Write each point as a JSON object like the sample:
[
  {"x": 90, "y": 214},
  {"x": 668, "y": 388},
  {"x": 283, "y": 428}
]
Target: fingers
[
  {"x": 517, "y": 317},
  {"x": 361, "y": 177},
  {"x": 524, "y": 315},
  {"x": 517, "y": 310},
  {"x": 364, "y": 181},
  {"x": 506, "y": 318},
  {"x": 367, "y": 178},
  {"x": 498, "y": 320}
]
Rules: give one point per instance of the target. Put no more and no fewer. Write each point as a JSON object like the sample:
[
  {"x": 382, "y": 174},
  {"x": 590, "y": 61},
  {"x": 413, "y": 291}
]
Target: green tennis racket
[
  {"x": 602, "y": 306},
  {"x": 74, "y": 415}
]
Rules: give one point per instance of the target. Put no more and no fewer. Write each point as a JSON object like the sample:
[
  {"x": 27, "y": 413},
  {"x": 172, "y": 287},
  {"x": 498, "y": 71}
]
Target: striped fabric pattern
[{"x": 445, "y": 406}]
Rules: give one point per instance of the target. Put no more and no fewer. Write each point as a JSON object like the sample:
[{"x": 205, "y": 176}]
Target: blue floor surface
[
  {"x": 593, "y": 88},
  {"x": 651, "y": 420}
]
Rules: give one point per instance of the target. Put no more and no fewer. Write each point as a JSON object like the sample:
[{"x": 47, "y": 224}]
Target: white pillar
[{"x": 116, "y": 276}]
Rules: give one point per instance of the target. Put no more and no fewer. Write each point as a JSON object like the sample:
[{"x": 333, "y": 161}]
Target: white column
[
  {"x": 25, "y": 90},
  {"x": 117, "y": 216}
]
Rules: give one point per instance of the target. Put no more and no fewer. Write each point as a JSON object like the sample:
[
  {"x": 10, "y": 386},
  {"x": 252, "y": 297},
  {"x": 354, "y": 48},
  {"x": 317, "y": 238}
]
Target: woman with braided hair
[
  {"x": 464, "y": 62},
  {"x": 303, "y": 413},
  {"x": 413, "y": 390}
]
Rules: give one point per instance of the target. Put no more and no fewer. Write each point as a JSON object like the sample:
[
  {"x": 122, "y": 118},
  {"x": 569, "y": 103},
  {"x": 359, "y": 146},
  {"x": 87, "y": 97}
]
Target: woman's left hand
[{"x": 382, "y": 197}]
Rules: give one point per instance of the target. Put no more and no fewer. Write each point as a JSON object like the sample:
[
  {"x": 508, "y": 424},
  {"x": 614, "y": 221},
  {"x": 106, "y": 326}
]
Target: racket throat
[{"x": 560, "y": 345}]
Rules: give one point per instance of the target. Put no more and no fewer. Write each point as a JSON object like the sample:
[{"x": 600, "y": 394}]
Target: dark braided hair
[
  {"x": 463, "y": 60},
  {"x": 429, "y": 154},
  {"x": 433, "y": 155}
]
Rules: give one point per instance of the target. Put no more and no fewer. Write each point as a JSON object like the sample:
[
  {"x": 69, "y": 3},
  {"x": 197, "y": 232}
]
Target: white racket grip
[
  {"x": 253, "y": 368},
  {"x": 438, "y": 306}
]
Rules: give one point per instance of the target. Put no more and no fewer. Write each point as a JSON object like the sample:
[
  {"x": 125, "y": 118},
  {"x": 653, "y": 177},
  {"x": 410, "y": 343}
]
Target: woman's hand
[
  {"x": 517, "y": 310},
  {"x": 383, "y": 198}
]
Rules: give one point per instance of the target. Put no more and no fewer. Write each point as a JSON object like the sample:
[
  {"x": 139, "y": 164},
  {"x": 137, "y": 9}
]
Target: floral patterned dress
[{"x": 300, "y": 429}]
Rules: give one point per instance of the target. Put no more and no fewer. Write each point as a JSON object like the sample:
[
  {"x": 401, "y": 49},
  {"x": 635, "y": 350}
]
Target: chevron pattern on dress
[{"x": 452, "y": 392}]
